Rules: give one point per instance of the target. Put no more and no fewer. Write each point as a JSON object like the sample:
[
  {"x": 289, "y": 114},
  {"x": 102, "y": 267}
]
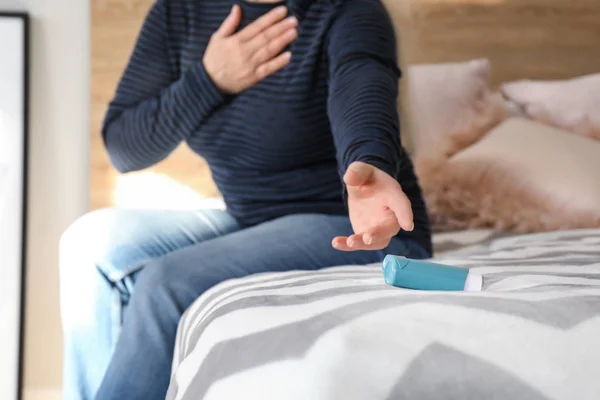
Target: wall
[{"x": 58, "y": 166}]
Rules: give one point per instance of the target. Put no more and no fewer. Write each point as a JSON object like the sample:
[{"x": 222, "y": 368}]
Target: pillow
[
  {"x": 572, "y": 104},
  {"x": 523, "y": 177},
  {"x": 451, "y": 106}
]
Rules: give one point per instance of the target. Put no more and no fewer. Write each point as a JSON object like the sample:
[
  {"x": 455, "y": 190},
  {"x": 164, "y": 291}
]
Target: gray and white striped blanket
[{"x": 341, "y": 333}]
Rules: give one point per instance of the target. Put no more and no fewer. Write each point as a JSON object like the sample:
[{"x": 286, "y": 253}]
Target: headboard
[
  {"x": 523, "y": 39},
  {"x": 534, "y": 39}
]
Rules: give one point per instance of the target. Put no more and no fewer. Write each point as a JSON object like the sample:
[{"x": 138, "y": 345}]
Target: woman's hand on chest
[{"x": 236, "y": 61}]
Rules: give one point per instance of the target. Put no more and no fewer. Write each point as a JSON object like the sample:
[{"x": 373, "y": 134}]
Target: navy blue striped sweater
[{"x": 282, "y": 146}]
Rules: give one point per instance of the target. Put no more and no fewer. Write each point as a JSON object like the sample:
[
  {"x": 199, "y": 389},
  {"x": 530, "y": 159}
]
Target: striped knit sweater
[{"x": 281, "y": 146}]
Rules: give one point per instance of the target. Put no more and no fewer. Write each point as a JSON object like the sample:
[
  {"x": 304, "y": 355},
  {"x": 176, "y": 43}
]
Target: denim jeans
[{"x": 118, "y": 342}]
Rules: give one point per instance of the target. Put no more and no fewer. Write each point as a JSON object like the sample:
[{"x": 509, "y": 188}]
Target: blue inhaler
[{"x": 424, "y": 275}]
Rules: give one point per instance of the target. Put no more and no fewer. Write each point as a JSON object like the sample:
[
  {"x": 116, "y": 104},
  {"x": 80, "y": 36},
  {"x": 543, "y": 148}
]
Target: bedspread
[{"x": 341, "y": 333}]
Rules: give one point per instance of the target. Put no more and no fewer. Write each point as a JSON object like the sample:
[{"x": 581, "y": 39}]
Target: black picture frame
[{"x": 25, "y": 24}]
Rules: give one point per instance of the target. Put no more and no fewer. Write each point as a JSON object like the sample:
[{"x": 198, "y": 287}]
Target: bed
[{"x": 341, "y": 333}]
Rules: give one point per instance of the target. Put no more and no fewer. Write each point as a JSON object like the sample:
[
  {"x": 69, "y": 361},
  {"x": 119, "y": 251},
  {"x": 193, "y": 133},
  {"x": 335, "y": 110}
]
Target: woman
[{"x": 293, "y": 105}]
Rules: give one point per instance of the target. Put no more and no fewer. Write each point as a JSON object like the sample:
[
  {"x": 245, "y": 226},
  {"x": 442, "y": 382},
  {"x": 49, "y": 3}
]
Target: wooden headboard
[{"x": 534, "y": 39}]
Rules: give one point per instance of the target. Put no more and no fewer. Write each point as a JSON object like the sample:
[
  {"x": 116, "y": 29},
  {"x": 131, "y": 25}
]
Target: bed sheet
[{"x": 341, "y": 333}]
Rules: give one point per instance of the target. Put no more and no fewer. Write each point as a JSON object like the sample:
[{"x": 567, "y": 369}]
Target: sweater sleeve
[
  {"x": 363, "y": 87},
  {"x": 155, "y": 107}
]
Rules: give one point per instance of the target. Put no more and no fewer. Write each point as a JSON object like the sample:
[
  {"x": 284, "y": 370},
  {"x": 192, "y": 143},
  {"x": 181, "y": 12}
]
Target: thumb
[
  {"x": 358, "y": 174},
  {"x": 231, "y": 23}
]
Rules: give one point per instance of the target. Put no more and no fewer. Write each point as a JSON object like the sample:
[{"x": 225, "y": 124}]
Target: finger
[
  {"x": 272, "y": 66},
  {"x": 340, "y": 243},
  {"x": 381, "y": 232},
  {"x": 231, "y": 23},
  {"x": 356, "y": 242},
  {"x": 379, "y": 245},
  {"x": 274, "y": 33},
  {"x": 264, "y": 22},
  {"x": 344, "y": 243},
  {"x": 358, "y": 174},
  {"x": 274, "y": 47},
  {"x": 401, "y": 207}
]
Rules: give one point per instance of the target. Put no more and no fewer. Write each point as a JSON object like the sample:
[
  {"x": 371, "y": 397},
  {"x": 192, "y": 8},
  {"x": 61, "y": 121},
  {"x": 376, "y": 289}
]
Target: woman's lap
[{"x": 172, "y": 263}]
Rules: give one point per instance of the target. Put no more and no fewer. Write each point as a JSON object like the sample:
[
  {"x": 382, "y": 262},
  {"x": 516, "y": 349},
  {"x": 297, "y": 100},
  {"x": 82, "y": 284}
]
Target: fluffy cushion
[
  {"x": 572, "y": 104},
  {"x": 523, "y": 176},
  {"x": 451, "y": 106}
]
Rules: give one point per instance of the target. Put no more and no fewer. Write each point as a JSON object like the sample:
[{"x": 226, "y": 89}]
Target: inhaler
[{"x": 425, "y": 275}]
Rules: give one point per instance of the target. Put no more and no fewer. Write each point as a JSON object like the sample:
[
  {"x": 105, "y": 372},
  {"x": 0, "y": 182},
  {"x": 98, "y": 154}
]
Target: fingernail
[
  {"x": 281, "y": 10},
  {"x": 293, "y": 20},
  {"x": 368, "y": 239},
  {"x": 350, "y": 242},
  {"x": 287, "y": 54}
]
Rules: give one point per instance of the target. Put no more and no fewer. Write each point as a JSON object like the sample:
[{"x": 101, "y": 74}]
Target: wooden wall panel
[
  {"x": 533, "y": 39},
  {"x": 537, "y": 39}
]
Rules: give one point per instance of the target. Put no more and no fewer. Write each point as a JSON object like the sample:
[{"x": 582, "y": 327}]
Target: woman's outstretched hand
[
  {"x": 378, "y": 209},
  {"x": 237, "y": 60}
]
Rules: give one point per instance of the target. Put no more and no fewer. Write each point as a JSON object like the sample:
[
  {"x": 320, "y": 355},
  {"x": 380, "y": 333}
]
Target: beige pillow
[
  {"x": 523, "y": 176},
  {"x": 451, "y": 106},
  {"x": 572, "y": 104}
]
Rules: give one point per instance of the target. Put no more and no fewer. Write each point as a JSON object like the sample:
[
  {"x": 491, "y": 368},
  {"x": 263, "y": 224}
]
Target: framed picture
[{"x": 13, "y": 186}]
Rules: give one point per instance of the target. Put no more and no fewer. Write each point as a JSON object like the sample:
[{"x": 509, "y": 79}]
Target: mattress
[{"x": 341, "y": 333}]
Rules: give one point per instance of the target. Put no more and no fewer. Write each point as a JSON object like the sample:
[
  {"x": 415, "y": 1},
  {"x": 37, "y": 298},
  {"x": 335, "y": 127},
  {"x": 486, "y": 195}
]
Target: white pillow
[
  {"x": 572, "y": 104},
  {"x": 523, "y": 176}
]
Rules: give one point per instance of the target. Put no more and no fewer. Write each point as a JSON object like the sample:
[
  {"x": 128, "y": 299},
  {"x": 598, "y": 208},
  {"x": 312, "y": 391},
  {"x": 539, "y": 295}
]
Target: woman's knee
[
  {"x": 87, "y": 240},
  {"x": 82, "y": 287}
]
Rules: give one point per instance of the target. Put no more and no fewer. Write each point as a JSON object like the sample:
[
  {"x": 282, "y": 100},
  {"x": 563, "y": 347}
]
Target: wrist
[
  {"x": 214, "y": 76},
  {"x": 204, "y": 87}
]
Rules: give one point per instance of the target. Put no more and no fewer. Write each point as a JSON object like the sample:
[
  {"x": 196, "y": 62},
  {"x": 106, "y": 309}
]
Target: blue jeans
[{"x": 119, "y": 342}]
